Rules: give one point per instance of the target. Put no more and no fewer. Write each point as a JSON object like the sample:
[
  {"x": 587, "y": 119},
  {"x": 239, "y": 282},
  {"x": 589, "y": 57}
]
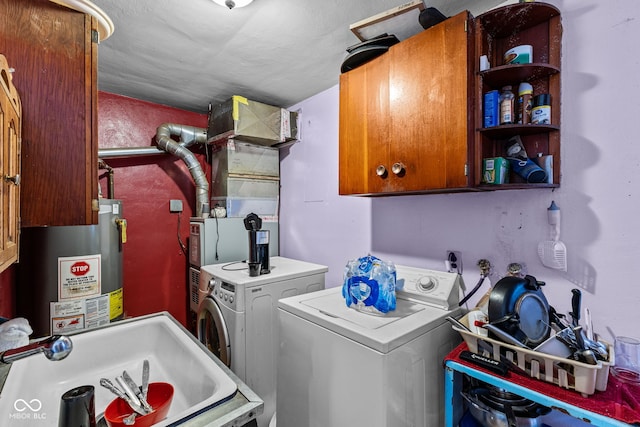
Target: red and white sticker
[
  {"x": 78, "y": 277},
  {"x": 77, "y": 314}
]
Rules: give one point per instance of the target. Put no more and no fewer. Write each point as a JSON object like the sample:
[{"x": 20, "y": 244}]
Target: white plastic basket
[{"x": 563, "y": 372}]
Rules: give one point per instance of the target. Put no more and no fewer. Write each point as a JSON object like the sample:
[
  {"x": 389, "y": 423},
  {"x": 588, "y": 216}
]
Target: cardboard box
[
  {"x": 244, "y": 158},
  {"x": 491, "y": 111},
  {"x": 251, "y": 121},
  {"x": 495, "y": 170}
]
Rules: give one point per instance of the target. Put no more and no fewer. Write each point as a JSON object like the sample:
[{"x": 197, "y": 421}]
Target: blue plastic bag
[{"x": 370, "y": 285}]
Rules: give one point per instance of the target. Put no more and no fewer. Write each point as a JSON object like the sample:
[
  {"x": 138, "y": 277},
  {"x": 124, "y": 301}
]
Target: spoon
[
  {"x": 130, "y": 420},
  {"x": 583, "y": 353}
]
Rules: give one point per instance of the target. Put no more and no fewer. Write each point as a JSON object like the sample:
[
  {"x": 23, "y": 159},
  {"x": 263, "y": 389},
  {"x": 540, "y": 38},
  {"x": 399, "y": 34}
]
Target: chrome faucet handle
[{"x": 55, "y": 347}]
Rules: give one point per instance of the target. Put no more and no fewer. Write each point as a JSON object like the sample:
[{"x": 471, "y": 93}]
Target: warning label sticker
[
  {"x": 78, "y": 277},
  {"x": 116, "y": 304},
  {"x": 79, "y": 314}
]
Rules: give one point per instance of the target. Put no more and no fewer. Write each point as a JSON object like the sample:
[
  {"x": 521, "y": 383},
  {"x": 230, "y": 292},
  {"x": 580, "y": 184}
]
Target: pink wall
[{"x": 154, "y": 264}]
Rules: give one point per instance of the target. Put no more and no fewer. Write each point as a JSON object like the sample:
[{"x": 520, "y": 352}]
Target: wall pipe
[
  {"x": 113, "y": 153},
  {"x": 188, "y": 135},
  {"x": 110, "y": 189}
]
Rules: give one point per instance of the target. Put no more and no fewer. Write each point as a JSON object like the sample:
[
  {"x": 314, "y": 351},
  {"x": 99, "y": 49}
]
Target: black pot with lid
[{"x": 518, "y": 307}]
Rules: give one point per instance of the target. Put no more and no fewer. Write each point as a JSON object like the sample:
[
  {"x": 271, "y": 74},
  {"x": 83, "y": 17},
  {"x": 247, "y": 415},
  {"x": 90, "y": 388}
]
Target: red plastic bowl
[{"x": 159, "y": 397}]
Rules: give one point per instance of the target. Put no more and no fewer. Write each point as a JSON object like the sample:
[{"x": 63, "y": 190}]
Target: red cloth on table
[{"x": 620, "y": 401}]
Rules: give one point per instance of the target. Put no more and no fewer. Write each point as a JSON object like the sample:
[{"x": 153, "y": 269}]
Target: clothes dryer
[
  {"x": 340, "y": 367},
  {"x": 237, "y": 318}
]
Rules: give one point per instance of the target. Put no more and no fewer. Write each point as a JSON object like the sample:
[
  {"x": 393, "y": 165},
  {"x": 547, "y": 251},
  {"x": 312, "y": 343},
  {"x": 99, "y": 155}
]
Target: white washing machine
[
  {"x": 340, "y": 367},
  {"x": 237, "y": 318}
]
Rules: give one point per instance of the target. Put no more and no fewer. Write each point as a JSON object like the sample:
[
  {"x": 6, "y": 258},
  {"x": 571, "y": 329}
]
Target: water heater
[{"x": 70, "y": 277}]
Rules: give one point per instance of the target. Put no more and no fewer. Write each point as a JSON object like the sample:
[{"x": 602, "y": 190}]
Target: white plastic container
[{"x": 522, "y": 54}]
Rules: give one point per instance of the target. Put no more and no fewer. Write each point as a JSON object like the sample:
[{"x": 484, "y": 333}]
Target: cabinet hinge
[
  {"x": 95, "y": 36},
  {"x": 466, "y": 169}
]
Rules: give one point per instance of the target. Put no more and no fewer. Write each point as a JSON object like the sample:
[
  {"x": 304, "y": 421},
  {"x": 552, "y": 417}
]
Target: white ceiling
[{"x": 189, "y": 53}]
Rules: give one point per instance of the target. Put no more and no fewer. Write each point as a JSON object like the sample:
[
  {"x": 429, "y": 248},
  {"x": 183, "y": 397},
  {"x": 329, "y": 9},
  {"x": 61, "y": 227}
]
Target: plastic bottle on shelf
[
  {"x": 525, "y": 103},
  {"x": 507, "y": 106}
]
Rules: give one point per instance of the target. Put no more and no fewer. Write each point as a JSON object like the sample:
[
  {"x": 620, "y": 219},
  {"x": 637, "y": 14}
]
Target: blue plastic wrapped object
[{"x": 370, "y": 285}]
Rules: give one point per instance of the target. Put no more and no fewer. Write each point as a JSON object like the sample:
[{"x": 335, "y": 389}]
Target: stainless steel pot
[{"x": 514, "y": 411}]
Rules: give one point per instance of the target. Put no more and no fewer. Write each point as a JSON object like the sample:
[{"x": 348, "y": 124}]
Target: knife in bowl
[{"x": 145, "y": 378}]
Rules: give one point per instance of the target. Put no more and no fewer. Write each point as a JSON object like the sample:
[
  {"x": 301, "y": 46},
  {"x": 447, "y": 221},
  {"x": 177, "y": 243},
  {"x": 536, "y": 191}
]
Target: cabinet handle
[
  {"x": 397, "y": 168},
  {"x": 381, "y": 171},
  {"x": 15, "y": 179}
]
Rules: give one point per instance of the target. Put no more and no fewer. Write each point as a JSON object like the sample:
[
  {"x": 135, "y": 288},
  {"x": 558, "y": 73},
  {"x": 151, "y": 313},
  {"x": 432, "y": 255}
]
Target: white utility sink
[{"x": 174, "y": 356}]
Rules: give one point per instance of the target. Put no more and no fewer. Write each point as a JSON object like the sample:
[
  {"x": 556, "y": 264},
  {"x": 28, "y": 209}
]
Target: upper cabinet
[
  {"x": 539, "y": 26},
  {"x": 10, "y": 137},
  {"x": 53, "y": 50},
  {"x": 404, "y": 116},
  {"x": 412, "y": 119}
]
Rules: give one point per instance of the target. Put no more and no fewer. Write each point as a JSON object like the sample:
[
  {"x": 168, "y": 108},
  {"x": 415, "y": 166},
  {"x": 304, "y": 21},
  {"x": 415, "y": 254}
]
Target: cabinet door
[
  {"x": 404, "y": 115},
  {"x": 10, "y": 111},
  {"x": 51, "y": 49},
  {"x": 429, "y": 100},
  {"x": 364, "y": 127}
]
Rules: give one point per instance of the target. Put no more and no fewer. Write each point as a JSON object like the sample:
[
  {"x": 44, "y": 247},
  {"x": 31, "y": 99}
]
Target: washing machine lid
[
  {"x": 281, "y": 269},
  {"x": 383, "y": 333}
]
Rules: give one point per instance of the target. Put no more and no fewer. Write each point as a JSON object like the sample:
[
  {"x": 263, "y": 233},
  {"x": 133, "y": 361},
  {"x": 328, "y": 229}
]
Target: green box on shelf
[{"x": 495, "y": 170}]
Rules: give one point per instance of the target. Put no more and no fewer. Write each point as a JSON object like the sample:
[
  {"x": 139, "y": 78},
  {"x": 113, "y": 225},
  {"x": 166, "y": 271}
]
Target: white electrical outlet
[
  {"x": 453, "y": 262},
  {"x": 175, "y": 206}
]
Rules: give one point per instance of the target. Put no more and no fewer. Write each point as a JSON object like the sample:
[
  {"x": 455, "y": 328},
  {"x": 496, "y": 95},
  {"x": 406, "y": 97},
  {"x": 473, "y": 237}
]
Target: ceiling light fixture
[{"x": 233, "y": 3}]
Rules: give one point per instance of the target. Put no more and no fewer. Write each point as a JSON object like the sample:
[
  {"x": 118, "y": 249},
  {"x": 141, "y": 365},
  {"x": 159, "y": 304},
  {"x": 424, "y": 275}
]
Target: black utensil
[{"x": 576, "y": 301}]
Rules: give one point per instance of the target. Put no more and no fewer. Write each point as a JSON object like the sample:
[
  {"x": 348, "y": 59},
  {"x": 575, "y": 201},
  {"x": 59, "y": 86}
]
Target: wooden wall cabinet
[
  {"x": 539, "y": 25},
  {"x": 53, "y": 50},
  {"x": 419, "y": 106},
  {"x": 10, "y": 139},
  {"x": 404, "y": 116}
]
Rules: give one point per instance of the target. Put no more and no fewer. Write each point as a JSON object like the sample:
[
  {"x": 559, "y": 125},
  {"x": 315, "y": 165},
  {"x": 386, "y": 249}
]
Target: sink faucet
[{"x": 55, "y": 347}]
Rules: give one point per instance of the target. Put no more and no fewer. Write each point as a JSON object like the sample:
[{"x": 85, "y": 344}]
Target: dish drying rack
[{"x": 563, "y": 372}]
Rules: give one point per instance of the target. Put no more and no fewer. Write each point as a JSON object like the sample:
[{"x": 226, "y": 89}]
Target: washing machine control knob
[
  {"x": 426, "y": 283},
  {"x": 211, "y": 285}
]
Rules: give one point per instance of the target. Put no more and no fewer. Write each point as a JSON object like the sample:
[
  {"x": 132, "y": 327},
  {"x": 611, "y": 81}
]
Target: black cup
[
  {"x": 77, "y": 408},
  {"x": 254, "y": 269}
]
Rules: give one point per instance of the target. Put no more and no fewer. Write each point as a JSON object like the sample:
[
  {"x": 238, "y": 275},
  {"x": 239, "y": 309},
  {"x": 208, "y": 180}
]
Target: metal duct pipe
[
  {"x": 125, "y": 152},
  {"x": 112, "y": 153},
  {"x": 188, "y": 136}
]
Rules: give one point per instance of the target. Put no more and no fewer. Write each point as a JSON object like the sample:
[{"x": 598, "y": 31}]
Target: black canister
[
  {"x": 77, "y": 408},
  {"x": 541, "y": 112}
]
